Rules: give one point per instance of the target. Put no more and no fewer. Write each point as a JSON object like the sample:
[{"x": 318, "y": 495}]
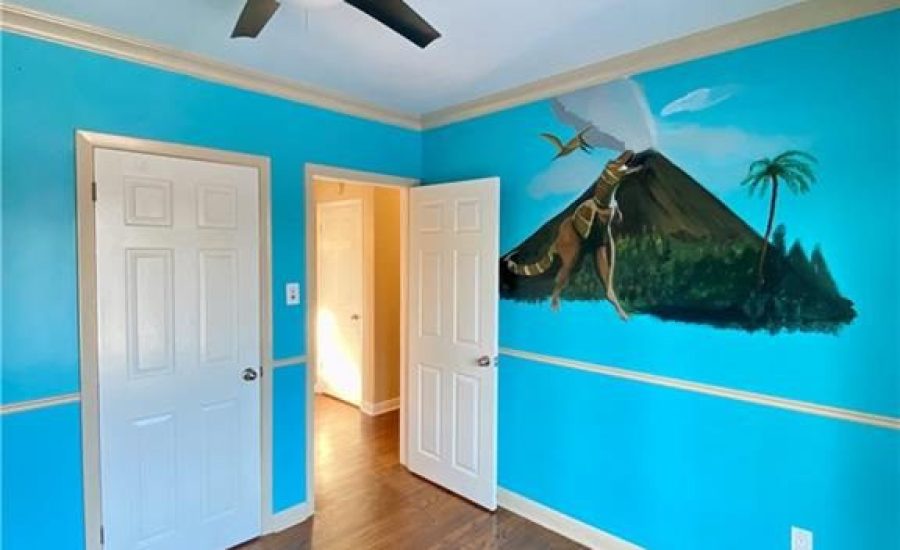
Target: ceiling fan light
[{"x": 317, "y": 4}]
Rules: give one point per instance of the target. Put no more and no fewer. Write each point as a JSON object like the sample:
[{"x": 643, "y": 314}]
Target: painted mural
[{"x": 646, "y": 237}]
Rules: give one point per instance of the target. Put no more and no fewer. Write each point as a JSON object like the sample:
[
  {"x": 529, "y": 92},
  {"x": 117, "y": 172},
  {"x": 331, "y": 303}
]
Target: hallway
[{"x": 366, "y": 500}]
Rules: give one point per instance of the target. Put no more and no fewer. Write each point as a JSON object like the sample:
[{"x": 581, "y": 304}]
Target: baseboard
[
  {"x": 381, "y": 407},
  {"x": 566, "y": 526},
  {"x": 287, "y": 518}
]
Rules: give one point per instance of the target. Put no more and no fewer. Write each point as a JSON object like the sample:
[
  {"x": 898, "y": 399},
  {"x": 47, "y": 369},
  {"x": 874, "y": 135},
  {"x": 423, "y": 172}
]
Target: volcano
[{"x": 684, "y": 255}]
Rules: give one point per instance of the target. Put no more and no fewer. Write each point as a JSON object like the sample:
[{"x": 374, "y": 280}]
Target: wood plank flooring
[{"x": 366, "y": 500}]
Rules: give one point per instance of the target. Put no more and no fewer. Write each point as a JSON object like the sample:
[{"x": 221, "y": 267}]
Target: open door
[{"x": 452, "y": 377}]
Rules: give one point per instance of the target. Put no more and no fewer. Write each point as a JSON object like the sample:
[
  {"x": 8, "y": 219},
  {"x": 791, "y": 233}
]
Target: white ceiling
[{"x": 487, "y": 45}]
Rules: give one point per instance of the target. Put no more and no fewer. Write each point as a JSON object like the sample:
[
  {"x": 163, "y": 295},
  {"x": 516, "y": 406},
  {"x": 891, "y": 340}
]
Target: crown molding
[
  {"x": 48, "y": 27},
  {"x": 796, "y": 18}
]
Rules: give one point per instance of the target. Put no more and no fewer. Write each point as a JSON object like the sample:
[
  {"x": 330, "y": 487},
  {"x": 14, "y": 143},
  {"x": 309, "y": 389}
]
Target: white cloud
[
  {"x": 723, "y": 152},
  {"x": 567, "y": 175},
  {"x": 698, "y": 100}
]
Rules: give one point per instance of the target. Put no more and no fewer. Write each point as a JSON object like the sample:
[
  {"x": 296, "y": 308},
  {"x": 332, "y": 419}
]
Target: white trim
[
  {"x": 359, "y": 177},
  {"x": 289, "y": 361},
  {"x": 796, "y": 18},
  {"x": 41, "y": 403},
  {"x": 312, "y": 172},
  {"x": 286, "y": 519},
  {"x": 566, "y": 526},
  {"x": 85, "y": 144},
  {"x": 404, "y": 318},
  {"x": 380, "y": 407},
  {"x": 806, "y": 407},
  {"x": 68, "y": 32}
]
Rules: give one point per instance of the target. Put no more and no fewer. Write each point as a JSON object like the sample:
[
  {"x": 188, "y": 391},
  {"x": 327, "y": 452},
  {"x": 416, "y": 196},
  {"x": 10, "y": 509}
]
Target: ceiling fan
[{"x": 396, "y": 14}]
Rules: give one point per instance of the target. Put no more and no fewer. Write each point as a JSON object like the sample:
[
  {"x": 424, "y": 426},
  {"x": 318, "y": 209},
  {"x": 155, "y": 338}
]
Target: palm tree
[{"x": 794, "y": 169}]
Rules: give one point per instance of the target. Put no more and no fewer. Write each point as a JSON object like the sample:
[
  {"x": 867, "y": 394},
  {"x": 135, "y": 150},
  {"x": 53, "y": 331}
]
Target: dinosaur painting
[
  {"x": 648, "y": 238},
  {"x": 586, "y": 231}
]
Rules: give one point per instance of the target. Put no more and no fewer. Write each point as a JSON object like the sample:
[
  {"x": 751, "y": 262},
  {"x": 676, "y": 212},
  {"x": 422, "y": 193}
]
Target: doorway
[
  {"x": 357, "y": 302},
  {"x": 447, "y": 329},
  {"x": 356, "y": 278}
]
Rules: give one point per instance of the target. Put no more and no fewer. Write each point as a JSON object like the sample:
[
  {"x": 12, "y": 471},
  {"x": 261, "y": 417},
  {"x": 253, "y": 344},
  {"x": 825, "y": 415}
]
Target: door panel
[
  {"x": 221, "y": 456},
  {"x": 155, "y": 479},
  {"x": 218, "y": 301},
  {"x": 178, "y": 322},
  {"x": 429, "y": 410},
  {"x": 430, "y": 297},
  {"x": 453, "y": 295},
  {"x": 466, "y": 392},
  {"x": 150, "y": 335},
  {"x": 466, "y": 298}
]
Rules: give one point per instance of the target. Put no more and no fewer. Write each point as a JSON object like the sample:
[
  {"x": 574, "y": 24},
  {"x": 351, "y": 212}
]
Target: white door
[
  {"x": 178, "y": 324},
  {"x": 453, "y": 296},
  {"x": 339, "y": 299}
]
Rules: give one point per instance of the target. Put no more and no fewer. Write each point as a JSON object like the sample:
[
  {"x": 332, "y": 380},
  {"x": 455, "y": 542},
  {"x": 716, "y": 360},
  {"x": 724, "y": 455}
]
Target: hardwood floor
[{"x": 366, "y": 499}]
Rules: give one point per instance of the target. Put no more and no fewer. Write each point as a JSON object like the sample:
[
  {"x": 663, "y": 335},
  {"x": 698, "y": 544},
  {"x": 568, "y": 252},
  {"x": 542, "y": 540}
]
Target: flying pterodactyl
[{"x": 562, "y": 149}]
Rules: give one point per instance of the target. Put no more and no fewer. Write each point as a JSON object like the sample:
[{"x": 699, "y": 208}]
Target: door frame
[
  {"x": 321, "y": 172},
  {"x": 85, "y": 144}
]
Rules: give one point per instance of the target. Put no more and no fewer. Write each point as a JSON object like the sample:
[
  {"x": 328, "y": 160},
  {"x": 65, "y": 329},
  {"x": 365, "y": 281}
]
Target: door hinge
[
  {"x": 261, "y": 371},
  {"x": 102, "y": 537},
  {"x": 94, "y": 191}
]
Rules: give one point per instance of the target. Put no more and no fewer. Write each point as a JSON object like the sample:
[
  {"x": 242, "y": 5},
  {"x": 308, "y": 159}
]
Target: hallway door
[{"x": 339, "y": 299}]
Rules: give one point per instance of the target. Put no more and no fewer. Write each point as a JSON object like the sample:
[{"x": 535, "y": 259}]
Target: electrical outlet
[
  {"x": 801, "y": 539},
  {"x": 292, "y": 294}
]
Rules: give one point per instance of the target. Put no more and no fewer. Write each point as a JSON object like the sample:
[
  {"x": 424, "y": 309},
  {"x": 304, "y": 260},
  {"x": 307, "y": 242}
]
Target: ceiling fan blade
[
  {"x": 397, "y": 15},
  {"x": 253, "y": 18}
]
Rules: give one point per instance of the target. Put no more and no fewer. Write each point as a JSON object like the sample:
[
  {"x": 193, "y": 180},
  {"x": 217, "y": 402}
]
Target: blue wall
[
  {"x": 289, "y": 436},
  {"x": 41, "y": 472},
  {"x": 660, "y": 467},
  {"x": 670, "y": 469},
  {"x": 50, "y": 91}
]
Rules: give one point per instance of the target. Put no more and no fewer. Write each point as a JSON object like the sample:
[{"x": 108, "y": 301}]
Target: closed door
[
  {"x": 339, "y": 299},
  {"x": 179, "y": 351},
  {"x": 453, "y": 297}
]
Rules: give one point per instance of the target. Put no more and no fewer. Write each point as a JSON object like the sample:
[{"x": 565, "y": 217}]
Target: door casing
[{"x": 85, "y": 144}]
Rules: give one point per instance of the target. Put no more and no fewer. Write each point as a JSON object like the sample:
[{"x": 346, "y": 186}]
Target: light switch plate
[
  {"x": 292, "y": 294},
  {"x": 801, "y": 539}
]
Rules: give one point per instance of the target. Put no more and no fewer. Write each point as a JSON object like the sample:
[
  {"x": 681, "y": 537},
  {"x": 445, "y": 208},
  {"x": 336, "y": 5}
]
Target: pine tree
[{"x": 822, "y": 273}]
